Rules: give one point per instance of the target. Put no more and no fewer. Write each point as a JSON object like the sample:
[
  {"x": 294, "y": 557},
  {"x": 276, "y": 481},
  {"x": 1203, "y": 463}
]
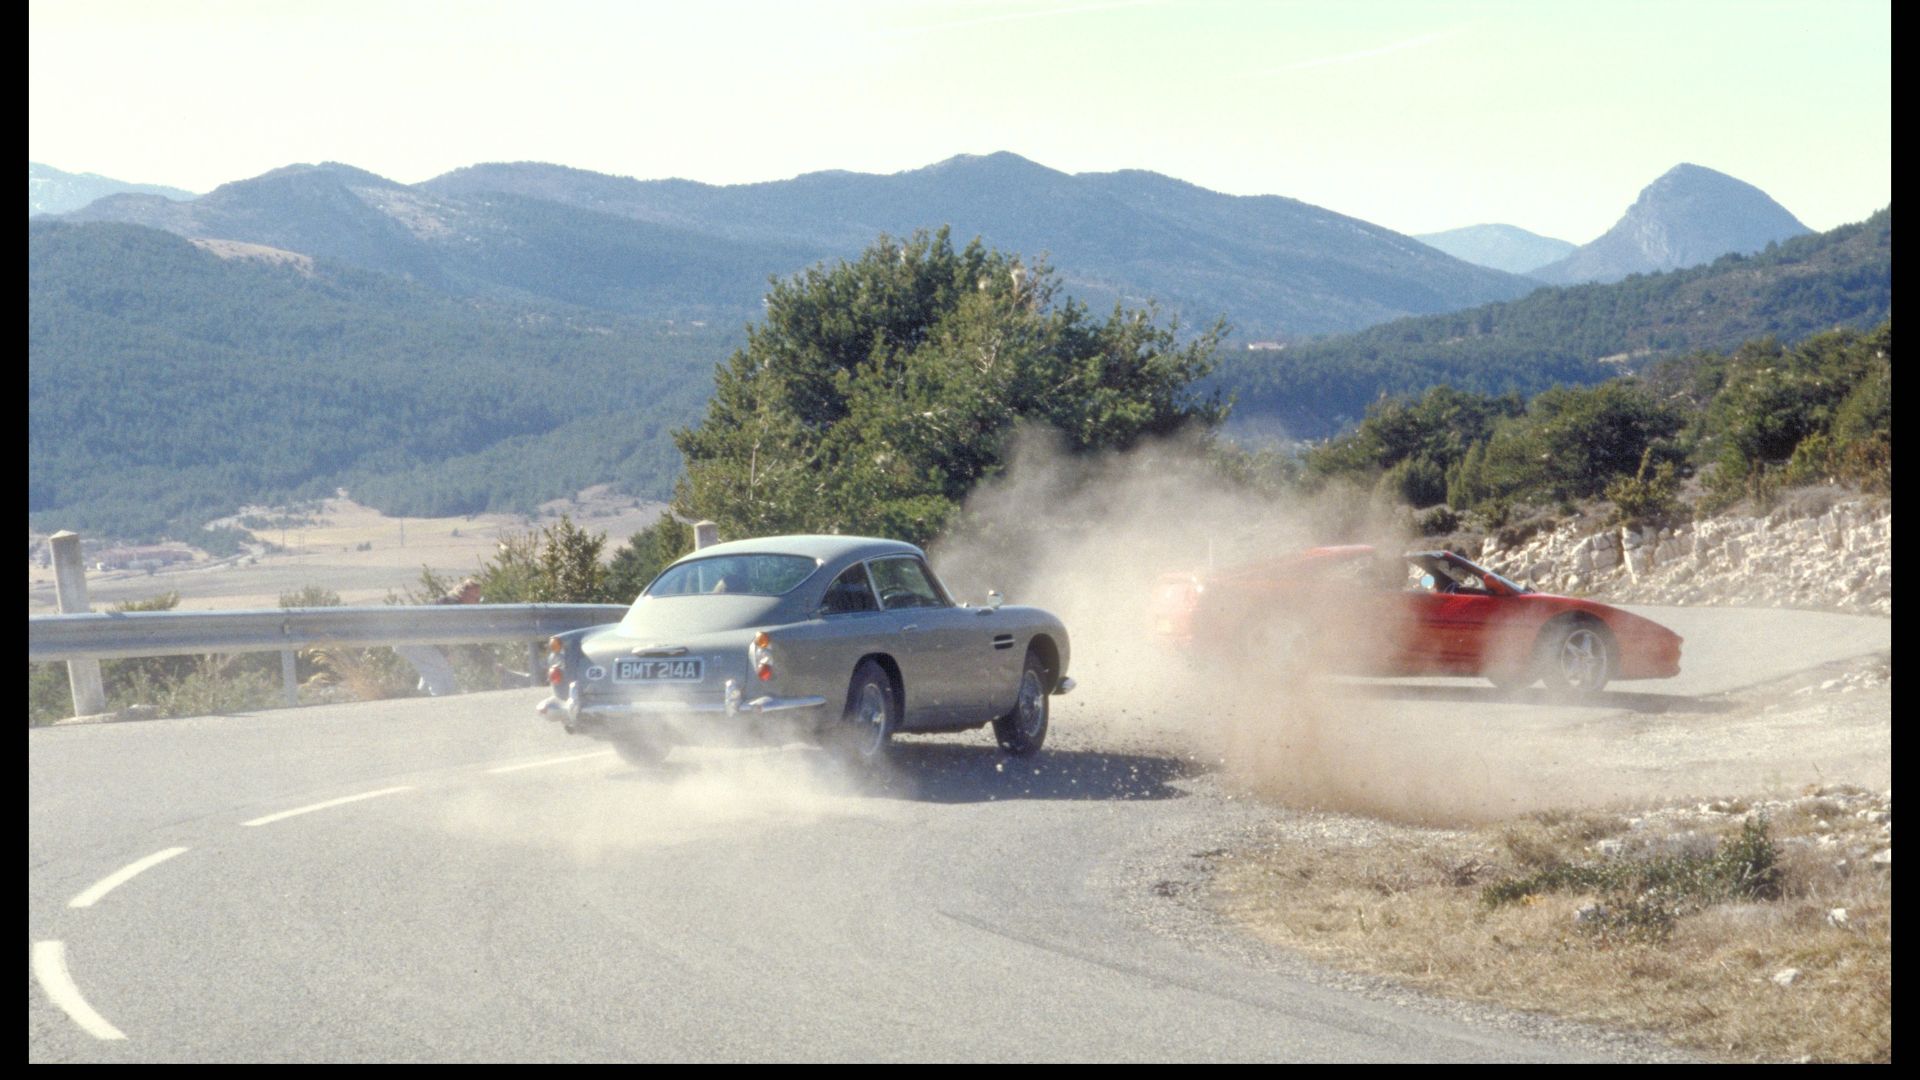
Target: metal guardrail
[
  {"x": 82, "y": 637},
  {"x": 105, "y": 635},
  {"x": 86, "y": 638}
]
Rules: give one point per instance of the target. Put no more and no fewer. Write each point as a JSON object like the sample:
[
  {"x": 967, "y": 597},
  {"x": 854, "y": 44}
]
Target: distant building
[{"x": 1265, "y": 346}]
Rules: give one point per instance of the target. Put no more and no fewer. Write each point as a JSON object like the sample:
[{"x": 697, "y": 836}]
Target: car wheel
[
  {"x": 1022, "y": 731},
  {"x": 873, "y": 713},
  {"x": 1577, "y": 658},
  {"x": 636, "y": 749}
]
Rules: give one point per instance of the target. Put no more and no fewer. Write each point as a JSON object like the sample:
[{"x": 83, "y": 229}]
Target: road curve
[{"x": 463, "y": 882}]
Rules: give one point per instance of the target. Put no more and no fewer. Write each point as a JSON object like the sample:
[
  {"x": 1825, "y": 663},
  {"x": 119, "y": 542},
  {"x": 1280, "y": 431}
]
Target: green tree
[
  {"x": 570, "y": 567},
  {"x": 647, "y": 553},
  {"x": 1441, "y": 426},
  {"x": 1574, "y": 440},
  {"x": 559, "y": 564},
  {"x": 1648, "y": 495},
  {"x": 876, "y": 394}
]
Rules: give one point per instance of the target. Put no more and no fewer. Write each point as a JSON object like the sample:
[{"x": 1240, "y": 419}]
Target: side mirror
[{"x": 994, "y": 600}]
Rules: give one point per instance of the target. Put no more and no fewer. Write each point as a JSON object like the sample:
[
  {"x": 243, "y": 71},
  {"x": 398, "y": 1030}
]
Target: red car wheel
[{"x": 1578, "y": 657}]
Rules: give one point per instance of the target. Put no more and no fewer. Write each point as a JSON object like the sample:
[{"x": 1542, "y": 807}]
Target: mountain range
[
  {"x": 504, "y": 334},
  {"x": 1579, "y": 334},
  {"x": 1502, "y": 247},
  {"x": 52, "y": 191},
  {"x": 1271, "y": 266},
  {"x": 1690, "y": 215}
]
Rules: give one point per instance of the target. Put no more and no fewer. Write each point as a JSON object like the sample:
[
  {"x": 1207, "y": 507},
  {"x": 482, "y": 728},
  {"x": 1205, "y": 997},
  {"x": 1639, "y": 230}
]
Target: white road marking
[
  {"x": 121, "y": 876},
  {"x": 552, "y": 761},
  {"x": 50, "y": 970},
  {"x": 328, "y": 805}
]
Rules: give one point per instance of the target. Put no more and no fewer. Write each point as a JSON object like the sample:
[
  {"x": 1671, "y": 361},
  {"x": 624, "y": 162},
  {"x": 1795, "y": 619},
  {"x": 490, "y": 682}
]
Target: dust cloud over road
[
  {"x": 1091, "y": 539},
  {"x": 698, "y": 794}
]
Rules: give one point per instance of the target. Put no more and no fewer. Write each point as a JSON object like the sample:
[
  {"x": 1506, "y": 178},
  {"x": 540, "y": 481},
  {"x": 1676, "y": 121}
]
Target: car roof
[{"x": 824, "y": 549}]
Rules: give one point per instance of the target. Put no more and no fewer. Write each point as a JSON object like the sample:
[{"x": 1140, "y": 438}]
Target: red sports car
[{"x": 1350, "y": 609}]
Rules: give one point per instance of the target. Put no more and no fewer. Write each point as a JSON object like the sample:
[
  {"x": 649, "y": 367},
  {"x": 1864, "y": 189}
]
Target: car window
[
  {"x": 904, "y": 583},
  {"x": 850, "y": 592},
  {"x": 738, "y": 575},
  {"x": 1433, "y": 575}
]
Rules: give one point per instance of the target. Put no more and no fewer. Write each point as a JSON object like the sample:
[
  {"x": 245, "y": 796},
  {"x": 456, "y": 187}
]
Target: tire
[
  {"x": 872, "y": 715},
  {"x": 642, "y": 750},
  {"x": 1024, "y": 730},
  {"x": 1577, "y": 658}
]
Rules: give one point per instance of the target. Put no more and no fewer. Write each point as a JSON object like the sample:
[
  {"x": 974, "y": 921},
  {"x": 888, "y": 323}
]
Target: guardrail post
[
  {"x": 705, "y": 534},
  {"x": 536, "y": 664},
  {"x": 70, "y": 581}
]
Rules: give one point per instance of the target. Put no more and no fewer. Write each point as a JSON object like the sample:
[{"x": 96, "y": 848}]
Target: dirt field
[{"x": 329, "y": 552}]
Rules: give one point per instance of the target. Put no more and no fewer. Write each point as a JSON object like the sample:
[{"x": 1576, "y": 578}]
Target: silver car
[{"x": 846, "y": 638}]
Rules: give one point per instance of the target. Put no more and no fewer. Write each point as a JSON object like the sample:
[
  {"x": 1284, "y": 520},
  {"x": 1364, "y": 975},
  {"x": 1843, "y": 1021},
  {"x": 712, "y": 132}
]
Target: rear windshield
[{"x": 735, "y": 575}]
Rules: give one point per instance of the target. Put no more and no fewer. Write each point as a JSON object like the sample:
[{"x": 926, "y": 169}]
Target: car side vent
[{"x": 1003, "y": 641}]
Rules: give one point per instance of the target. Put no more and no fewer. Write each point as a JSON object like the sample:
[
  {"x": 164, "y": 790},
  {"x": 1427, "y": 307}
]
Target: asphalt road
[{"x": 467, "y": 883}]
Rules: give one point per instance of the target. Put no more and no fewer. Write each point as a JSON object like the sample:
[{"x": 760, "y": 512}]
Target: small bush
[
  {"x": 1648, "y": 496},
  {"x": 1417, "y": 482},
  {"x": 1439, "y": 521},
  {"x": 1642, "y": 897}
]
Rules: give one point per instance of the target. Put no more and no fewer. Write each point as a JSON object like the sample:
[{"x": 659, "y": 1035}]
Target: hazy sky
[{"x": 1420, "y": 115}]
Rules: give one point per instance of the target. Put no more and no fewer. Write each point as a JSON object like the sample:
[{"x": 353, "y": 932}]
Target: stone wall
[{"x": 1838, "y": 558}]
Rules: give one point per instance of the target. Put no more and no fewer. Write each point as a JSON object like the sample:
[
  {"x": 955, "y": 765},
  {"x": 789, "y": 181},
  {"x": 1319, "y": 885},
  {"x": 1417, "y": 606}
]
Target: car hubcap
[
  {"x": 1033, "y": 706},
  {"x": 1583, "y": 658},
  {"x": 873, "y": 716}
]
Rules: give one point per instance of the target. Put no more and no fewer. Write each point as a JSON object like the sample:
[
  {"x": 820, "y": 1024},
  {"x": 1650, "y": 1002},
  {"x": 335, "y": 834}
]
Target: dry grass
[
  {"x": 355, "y": 551},
  {"x": 1414, "y": 907}
]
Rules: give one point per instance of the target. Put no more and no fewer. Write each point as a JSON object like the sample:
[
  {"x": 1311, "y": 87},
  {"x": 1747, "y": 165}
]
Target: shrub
[
  {"x": 1644, "y": 498},
  {"x": 1643, "y": 897}
]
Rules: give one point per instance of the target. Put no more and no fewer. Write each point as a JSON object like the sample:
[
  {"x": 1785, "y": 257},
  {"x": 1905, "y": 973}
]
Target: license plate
[{"x": 638, "y": 670}]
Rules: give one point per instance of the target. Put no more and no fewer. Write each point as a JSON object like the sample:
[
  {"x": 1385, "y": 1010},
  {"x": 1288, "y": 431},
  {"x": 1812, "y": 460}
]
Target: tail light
[
  {"x": 760, "y": 655},
  {"x": 555, "y": 674},
  {"x": 554, "y": 646}
]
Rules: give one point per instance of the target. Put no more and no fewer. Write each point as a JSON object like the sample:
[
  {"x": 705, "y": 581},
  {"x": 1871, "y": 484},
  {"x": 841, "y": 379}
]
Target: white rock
[
  {"x": 1837, "y": 917},
  {"x": 1786, "y": 976}
]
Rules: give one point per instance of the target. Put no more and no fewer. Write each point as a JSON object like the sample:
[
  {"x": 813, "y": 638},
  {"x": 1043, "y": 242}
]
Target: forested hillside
[
  {"x": 168, "y": 386},
  {"x": 1577, "y": 335}
]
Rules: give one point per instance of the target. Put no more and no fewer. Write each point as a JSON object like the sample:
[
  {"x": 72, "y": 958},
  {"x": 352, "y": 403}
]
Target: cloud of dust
[
  {"x": 1093, "y": 539},
  {"x": 602, "y": 810}
]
